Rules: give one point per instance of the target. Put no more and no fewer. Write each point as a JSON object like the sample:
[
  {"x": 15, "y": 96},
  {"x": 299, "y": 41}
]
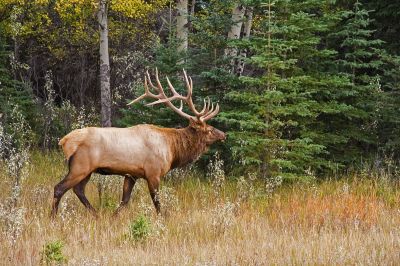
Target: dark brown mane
[{"x": 188, "y": 145}]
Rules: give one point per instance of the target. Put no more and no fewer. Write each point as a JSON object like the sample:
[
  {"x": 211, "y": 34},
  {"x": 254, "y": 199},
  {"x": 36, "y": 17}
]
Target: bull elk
[{"x": 142, "y": 151}]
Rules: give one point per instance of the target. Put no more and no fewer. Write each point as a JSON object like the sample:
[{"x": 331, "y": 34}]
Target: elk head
[{"x": 197, "y": 121}]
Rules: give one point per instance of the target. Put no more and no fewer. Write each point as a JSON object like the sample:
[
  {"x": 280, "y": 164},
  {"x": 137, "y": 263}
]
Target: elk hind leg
[
  {"x": 59, "y": 190},
  {"x": 77, "y": 172},
  {"x": 79, "y": 191}
]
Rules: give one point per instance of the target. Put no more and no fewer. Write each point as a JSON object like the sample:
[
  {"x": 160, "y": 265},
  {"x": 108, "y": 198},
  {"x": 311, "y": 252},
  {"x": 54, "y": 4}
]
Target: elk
[{"x": 141, "y": 151}]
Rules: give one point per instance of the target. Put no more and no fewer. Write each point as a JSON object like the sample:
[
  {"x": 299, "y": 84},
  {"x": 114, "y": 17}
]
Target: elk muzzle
[{"x": 220, "y": 135}]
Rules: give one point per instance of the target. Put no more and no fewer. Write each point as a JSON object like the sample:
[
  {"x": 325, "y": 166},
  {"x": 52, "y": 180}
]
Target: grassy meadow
[{"x": 346, "y": 221}]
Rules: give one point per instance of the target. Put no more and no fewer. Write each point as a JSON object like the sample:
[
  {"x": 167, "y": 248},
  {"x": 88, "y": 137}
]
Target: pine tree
[
  {"x": 360, "y": 59},
  {"x": 13, "y": 92},
  {"x": 274, "y": 113}
]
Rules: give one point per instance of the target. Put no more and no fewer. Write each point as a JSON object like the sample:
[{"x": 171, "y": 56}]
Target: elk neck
[{"x": 187, "y": 146}]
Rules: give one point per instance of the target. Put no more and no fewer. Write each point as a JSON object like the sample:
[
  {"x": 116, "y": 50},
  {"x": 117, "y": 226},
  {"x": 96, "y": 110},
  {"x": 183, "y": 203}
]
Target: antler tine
[
  {"x": 161, "y": 97},
  {"x": 206, "y": 107},
  {"x": 189, "y": 100},
  {"x": 160, "y": 88},
  {"x": 188, "y": 84},
  {"x": 209, "y": 111},
  {"x": 205, "y": 114},
  {"x": 147, "y": 92},
  {"x": 191, "y": 83},
  {"x": 147, "y": 80},
  {"x": 137, "y": 99},
  {"x": 210, "y": 115},
  {"x": 175, "y": 94}
]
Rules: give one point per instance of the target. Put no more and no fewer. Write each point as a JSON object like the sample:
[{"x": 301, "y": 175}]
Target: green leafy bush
[
  {"x": 52, "y": 253},
  {"x": 139, "y": 229}
]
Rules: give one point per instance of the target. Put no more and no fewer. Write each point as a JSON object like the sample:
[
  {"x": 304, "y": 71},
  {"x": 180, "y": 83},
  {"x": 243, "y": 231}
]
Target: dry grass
[{"x": 334, "y": 222}]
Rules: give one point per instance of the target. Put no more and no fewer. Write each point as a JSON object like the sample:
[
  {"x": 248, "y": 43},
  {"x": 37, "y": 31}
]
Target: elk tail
[{"x": 71, "y": 142}]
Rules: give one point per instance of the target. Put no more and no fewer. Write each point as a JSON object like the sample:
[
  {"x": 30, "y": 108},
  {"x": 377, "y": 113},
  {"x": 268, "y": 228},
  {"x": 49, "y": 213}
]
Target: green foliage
[
  {"x": 108, "y": 202},
  {"x": 275, "y": 111},
  {"x": 52, "y": 253},
  {"x": 12, "y": 92},
  {"x": 312, "y": 106},
  {"x": 139, "y": 229},
  {"x": 360, "y": 59},
  {"x": 388, "y": 106},
  {"x": 319, "y": 91}
]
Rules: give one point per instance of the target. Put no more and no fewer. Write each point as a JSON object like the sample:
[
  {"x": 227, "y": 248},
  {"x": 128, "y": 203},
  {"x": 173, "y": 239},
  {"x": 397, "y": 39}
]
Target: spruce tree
[
  {"x": 360, "y": 59},
  {"x": 13, "y": 92},
  {"x": 275, "y": 113}
]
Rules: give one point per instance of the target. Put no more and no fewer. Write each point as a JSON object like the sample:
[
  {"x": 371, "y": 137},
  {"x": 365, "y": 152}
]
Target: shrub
[
  {"x": 52, "y": 253},
  {"x": 139, "y": 229}
]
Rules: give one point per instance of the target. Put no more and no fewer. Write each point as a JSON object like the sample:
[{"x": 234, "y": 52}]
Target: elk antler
[{"x": 205, "y": 114}]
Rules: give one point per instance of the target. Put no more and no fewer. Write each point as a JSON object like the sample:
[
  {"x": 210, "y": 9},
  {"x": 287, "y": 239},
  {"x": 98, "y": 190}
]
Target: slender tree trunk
[
  {"x": 191, "y": 15},
  {"x": 269, "y": 46},
  {"x": 192, "y": 6},
  {"x": 249, "y": 22},
  {"x": 234, "y": 33},
  {"x": 15, "y": 31},
  {"x": 246, "y": 35},
  {"x": 266, "y": 156},
  {"x": 104, "y": 65},
  {"x": 182, "y": 24},
  {"x": 16, "y": 56},
  {"x": 82, "y": 86}
]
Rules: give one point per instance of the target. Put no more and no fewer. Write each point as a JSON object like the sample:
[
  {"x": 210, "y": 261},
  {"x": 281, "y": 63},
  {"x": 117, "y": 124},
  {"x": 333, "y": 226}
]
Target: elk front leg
[
  {"x": 153, "y": 184},
  {"x": 129, "y": 183}
]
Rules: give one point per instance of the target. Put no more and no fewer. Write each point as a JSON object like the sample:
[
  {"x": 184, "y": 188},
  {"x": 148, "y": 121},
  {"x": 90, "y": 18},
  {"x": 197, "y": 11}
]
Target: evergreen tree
[
  {"x": 388, "y": 107},
  {"x": 13, "y": 92},
  {"x": 360, "y": 59},
  {"x": 275, "y": 112}
]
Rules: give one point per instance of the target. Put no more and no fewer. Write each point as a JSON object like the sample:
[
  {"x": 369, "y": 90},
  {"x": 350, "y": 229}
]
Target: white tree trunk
[
  {"x": 182, "y": 25},
  {"x": 234, "y": 33},
  {"x": 104, "y": 65},
  {"x": 249, "y": 22},
  {"x": 192, "y": 6},
  {"x": 246, "y": 35}
]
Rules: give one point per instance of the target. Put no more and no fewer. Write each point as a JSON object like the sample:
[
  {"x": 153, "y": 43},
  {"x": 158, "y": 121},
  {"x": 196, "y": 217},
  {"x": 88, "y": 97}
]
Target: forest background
[
  {"x": 307, "y": 88},
  {"x": 309, "y": 99}
]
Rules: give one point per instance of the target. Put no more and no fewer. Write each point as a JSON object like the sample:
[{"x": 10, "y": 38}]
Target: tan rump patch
[{"x": 71, "y": 141}]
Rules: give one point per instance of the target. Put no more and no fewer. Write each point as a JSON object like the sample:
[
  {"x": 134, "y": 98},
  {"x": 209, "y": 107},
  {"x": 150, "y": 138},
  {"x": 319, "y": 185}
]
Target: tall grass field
[{"x": 207, "y": 219}]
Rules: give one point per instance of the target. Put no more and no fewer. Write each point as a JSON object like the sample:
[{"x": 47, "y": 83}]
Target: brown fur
[
  {"x": 187, "y": 145},
  {"x": 142, "y": 151}
]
